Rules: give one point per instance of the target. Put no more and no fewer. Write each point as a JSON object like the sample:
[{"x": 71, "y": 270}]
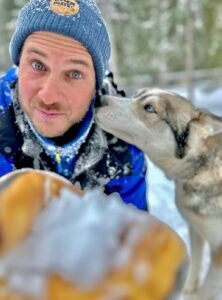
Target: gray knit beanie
[{"x": 78, "y": 19}]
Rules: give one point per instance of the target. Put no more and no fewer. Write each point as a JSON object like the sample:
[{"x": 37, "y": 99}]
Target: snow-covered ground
[{"x": 161, "y": 201}]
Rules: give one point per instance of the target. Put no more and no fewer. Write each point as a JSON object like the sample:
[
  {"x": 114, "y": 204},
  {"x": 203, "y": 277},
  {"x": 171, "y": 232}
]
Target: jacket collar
[{"x": 34, "y": 144}]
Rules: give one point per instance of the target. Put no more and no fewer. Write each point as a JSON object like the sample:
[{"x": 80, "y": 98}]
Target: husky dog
[{"x": 186, "y": 143}]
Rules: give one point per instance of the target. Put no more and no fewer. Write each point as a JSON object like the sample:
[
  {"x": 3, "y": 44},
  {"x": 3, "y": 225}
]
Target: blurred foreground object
[{"x": 74, "y": 246}]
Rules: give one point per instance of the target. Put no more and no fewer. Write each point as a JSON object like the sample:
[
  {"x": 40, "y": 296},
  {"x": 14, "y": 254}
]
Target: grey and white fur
[{"x": 186, "y": 143}]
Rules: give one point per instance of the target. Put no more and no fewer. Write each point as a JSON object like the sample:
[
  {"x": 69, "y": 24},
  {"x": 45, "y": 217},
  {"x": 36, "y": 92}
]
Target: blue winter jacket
[{"x": 98, "y": 159}]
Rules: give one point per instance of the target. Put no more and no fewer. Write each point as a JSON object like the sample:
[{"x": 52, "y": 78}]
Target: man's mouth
[{"x": 49, "y": 113}]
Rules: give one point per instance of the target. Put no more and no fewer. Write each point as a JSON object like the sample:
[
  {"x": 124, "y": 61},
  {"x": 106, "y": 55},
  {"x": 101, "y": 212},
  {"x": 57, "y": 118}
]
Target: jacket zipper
[{"x": 58, "y": 160}]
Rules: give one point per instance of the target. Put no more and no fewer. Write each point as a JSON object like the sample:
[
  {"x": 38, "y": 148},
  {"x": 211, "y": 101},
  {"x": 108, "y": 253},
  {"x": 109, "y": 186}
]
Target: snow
[{"x": 161, "y": 201}]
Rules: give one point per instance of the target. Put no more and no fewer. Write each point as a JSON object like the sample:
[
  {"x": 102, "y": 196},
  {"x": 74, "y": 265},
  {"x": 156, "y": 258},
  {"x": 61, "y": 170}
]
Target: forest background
[{"x": 154, "y": 42}]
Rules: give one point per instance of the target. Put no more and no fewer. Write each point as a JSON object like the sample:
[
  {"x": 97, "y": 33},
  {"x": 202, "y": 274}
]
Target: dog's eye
[{"x": 149, "y": 108}]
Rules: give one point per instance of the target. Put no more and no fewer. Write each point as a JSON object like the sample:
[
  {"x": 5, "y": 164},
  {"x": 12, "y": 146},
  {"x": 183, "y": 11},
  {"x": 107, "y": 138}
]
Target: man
[{"x": 61, "y": 49}]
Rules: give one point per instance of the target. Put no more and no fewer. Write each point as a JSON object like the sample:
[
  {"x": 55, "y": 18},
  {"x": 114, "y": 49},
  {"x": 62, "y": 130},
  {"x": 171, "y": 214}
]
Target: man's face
[{"x": 56, "y": 82}]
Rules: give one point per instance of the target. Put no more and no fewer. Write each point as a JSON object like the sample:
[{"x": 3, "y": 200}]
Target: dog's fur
[{"x": 186, "y": 143}]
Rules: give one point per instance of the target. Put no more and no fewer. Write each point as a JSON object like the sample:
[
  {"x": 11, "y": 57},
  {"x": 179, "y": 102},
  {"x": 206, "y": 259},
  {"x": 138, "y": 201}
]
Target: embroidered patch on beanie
[{"x": 65, "y": 7}]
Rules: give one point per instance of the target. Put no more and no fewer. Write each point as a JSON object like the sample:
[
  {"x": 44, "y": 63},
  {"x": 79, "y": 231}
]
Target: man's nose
[{"x": 50, "y": 91}]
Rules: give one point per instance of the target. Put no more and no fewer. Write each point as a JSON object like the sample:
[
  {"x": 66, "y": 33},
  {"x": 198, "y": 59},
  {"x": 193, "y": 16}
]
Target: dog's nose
[
  {"x": 101, "y": 101},
  {"x": 104, "y": 100}
]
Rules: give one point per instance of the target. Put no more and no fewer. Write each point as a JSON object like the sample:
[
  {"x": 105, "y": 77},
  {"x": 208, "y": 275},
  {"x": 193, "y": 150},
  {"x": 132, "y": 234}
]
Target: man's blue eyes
[
  {"x": 75, "y": 75},
  {"x": 39, "y": 67}
]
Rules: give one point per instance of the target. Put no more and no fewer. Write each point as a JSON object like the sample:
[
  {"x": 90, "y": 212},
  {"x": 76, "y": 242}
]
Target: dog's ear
[{"x": 214, "y": 128}]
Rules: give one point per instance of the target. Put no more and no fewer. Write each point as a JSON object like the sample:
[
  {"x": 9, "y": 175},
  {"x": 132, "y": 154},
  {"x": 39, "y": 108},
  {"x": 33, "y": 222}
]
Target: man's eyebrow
[
  {"x": 79, "y": 62},
  {"x": 72, "y": 61},
  {"x": 36, "y": 51}
]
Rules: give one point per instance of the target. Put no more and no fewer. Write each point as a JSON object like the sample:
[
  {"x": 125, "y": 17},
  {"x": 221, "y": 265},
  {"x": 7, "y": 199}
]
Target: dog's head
[{"x": 152, "y": 119}]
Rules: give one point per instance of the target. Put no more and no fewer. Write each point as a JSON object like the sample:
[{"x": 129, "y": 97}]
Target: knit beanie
[{"x": 78, "y": 19}]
